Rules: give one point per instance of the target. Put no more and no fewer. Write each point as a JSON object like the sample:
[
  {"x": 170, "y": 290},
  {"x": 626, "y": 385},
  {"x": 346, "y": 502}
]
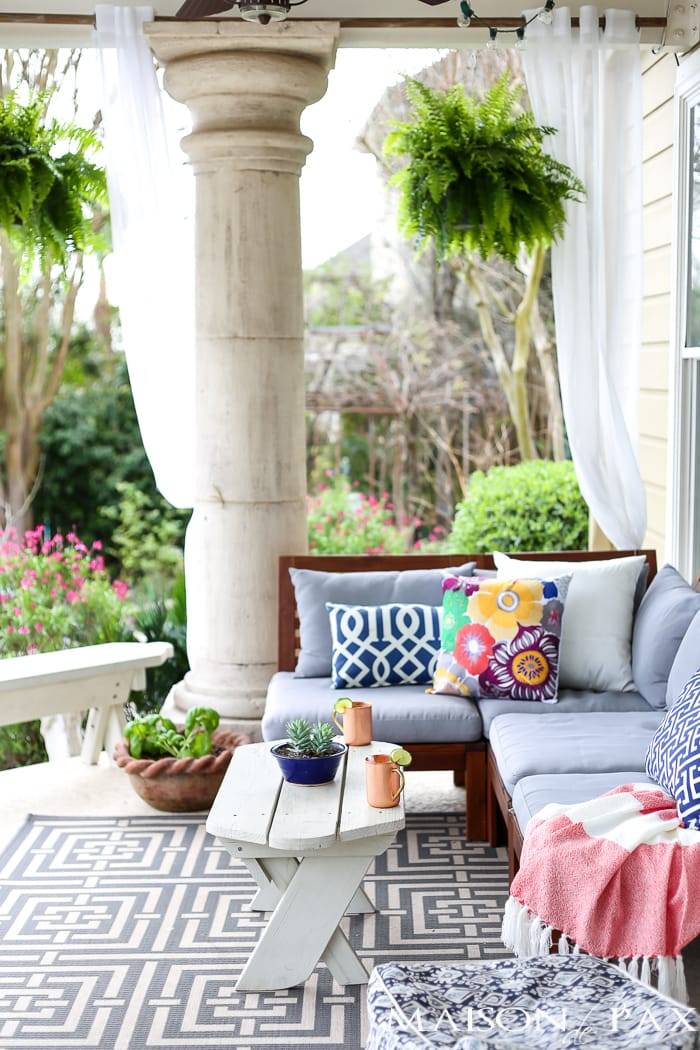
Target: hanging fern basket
[
  {"x": 49, "y": 184},
  {"x": 476, "y": 175}
]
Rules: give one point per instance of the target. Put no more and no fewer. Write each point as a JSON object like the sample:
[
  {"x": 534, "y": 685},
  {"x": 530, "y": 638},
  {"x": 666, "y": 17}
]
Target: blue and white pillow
[
  {"x": 378, "y": 645},
  {"x": 673, "y": 758}
]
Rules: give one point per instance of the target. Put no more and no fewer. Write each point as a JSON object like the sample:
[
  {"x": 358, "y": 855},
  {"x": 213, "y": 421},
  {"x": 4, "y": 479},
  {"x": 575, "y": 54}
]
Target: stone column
[{"x": 246, "y": 87}]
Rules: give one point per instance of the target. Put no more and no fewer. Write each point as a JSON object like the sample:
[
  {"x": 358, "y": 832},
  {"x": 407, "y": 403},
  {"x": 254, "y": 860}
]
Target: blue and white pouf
[{"x": 556, "y": 1001}]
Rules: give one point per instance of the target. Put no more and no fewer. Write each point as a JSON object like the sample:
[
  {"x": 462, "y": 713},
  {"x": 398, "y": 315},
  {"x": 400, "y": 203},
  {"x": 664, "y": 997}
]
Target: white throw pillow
[{"x": 596, "y": 641}]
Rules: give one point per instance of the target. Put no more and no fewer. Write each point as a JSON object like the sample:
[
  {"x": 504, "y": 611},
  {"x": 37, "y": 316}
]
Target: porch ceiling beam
[{"x": 501, "y": 22}]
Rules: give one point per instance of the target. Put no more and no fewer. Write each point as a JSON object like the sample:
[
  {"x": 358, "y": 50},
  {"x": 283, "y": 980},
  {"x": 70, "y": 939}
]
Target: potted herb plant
[
  {"x": 311, "y": 754},
  {"x": 177, "y": 769}
]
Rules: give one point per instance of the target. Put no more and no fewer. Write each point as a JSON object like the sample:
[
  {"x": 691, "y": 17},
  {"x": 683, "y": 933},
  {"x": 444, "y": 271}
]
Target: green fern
[
  {"x": 478, "y": 177},
  {"x": 49, "y": 186}
]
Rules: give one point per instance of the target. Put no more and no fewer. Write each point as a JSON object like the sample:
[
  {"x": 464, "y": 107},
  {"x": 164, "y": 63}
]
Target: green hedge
[{"x": 534, "y": 506}]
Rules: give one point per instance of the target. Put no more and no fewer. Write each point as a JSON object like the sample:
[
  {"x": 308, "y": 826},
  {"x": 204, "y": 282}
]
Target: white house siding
[{"x": 658, "y": 80}]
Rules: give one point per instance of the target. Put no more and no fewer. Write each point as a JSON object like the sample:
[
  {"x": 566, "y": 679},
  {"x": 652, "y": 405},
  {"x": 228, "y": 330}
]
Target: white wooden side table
[{"x": 308, "y": 849}]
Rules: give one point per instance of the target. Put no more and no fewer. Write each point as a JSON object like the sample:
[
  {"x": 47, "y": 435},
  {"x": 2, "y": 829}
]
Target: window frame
[{"x": 683, "y": 511}]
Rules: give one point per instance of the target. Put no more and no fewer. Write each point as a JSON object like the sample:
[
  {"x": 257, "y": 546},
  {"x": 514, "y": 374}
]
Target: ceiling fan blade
[{"x": 203, "y": 8}]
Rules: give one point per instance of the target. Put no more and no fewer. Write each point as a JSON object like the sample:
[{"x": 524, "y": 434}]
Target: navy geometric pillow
[
  {"x": 673, "y": 758},
  {"x": 379, "y": 645}
]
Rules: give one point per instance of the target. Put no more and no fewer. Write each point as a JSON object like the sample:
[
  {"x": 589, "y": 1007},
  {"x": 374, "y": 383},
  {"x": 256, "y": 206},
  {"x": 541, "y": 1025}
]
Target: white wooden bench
[{"x": 95, "y": 677}]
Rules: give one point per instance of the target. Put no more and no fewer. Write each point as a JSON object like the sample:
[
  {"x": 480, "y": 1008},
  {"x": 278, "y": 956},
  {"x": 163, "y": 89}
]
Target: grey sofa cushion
[
  {"x": 686, "y": 663},
  {"x": 660, "y": 625},
  {"x": 313, "y": 589},
  {"x": 401, "y": 714},
  {"x": 524, "y": 745},
  {"x": 571, "y": 701},
  {"x": 532, "y": 794}
]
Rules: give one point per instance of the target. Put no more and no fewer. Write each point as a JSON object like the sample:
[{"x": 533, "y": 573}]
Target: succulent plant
[
  {"x": 299, "y": 734},
  {"x": 322, "y": 738},
  {"x": 310, "y": 740}
]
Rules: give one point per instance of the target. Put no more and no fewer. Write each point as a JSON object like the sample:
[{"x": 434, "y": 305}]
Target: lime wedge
[
  {"x": 401, "y": 757},
  {"x": 342, "y": 705}
]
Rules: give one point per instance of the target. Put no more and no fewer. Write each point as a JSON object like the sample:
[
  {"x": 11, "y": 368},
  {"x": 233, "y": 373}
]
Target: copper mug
[
  {"x": 356, "y": 726},
  {"x": 385, "y": 781}
]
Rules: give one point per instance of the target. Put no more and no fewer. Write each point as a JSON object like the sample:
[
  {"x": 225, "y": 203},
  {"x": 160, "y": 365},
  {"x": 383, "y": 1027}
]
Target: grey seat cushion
[
  {"x": 531, "y": 794},
  {"x": 524, "y": 745},
  {"x": 400, "y": 714},
  {"x": 571, "y": 701},
  {"x": 313, "y": 589},
  {"x": 660, "y": 625},
  {"x": 686, "y": 663}
]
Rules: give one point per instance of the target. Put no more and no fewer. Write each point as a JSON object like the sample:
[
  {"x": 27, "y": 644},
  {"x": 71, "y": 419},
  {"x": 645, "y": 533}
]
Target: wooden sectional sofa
[{"x": 489, "y": 813}]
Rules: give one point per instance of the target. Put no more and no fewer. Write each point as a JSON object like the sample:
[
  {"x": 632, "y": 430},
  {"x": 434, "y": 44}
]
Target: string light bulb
[
  {"x": 466, "y": 15},
  {"x": 493, "y": 33},
  {"x": 545, "y": 16},
  {"x": 520, "y": 35}
]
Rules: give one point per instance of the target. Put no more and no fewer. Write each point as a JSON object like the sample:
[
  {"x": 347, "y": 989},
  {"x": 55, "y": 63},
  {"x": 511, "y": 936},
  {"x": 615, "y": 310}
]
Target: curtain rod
[{"x": 345, "y": 23}]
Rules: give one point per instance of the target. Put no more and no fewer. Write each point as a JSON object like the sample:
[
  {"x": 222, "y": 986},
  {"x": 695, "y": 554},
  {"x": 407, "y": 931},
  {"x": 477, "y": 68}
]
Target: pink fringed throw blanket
[{"x": 618, "y": 876}]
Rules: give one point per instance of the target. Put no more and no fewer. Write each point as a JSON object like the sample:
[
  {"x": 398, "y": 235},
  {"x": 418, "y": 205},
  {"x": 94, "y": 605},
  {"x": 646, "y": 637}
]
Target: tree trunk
[
  {"x": 544, "y": 348},
  {"x": 16, "y": 484},
  {"x": 31, "y": 377},
  {"x": 398, "y": 472},
  {"x": 523, "y": 317},
  {"x": 512, "y": 380},
  {"x": 466, "y": 440},
  {"x": 371, "y": 456}
]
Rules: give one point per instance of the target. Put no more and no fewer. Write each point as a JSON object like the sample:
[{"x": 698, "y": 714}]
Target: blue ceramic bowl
[{"x": 317, "y": 770}]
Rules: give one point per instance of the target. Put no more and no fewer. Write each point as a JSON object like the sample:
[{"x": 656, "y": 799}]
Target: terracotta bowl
[{"x": 180, "y": 785}]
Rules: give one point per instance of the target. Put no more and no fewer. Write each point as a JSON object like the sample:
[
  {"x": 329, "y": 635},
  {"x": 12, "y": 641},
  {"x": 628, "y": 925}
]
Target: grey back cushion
[
  {"x": 687, "y": 662},
  {"x": 313, "y": 589},
  {"x": 660, "y": 625}
]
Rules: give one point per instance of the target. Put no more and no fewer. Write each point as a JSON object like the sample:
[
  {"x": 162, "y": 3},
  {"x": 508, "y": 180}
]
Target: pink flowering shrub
[
  {"x": 55, "y": 594},
  {"x": 343, "y": 520}
]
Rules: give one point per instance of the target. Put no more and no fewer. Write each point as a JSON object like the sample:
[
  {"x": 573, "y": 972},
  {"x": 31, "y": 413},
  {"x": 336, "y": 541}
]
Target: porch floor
[{"x": 71, "y": 788}]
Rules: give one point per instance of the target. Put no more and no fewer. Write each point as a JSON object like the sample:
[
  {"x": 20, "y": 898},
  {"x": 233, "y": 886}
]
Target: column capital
[{"x": 246, "y": 86}]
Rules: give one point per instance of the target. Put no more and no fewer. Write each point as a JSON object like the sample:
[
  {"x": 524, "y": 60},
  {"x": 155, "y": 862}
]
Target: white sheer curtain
[
  {"x": 153, "y": 247},
  {"x": 587, "y": 84}
]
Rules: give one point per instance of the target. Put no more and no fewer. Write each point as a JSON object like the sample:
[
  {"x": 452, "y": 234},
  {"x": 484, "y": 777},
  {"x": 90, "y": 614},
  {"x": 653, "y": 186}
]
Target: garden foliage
[
  {"x": 163, "y": 619},
  {"x": 343, "y": 520},
  {"x": 54, "y": 594},
  {"x": 534, "y": 506},
  {"x": 96, "y": 474}
]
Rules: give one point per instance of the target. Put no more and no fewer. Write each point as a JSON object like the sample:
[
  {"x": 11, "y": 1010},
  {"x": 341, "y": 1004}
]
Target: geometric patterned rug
[{"x": 129, "y": 933}]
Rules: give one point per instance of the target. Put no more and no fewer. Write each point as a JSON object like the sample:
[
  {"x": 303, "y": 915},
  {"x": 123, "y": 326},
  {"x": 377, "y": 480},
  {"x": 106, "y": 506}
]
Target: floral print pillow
[{"x": 500, "y": 638}]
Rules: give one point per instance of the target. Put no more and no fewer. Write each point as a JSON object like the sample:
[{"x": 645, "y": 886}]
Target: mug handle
[
  {"x": 402, "y": 783},
  {"x": 334, "y": 716}
]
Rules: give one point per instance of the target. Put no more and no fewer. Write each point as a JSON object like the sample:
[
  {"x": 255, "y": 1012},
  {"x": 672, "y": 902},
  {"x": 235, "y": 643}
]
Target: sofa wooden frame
[
  {"x": 468, "y": 761},
  {"x": 501, "y": 823}
]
